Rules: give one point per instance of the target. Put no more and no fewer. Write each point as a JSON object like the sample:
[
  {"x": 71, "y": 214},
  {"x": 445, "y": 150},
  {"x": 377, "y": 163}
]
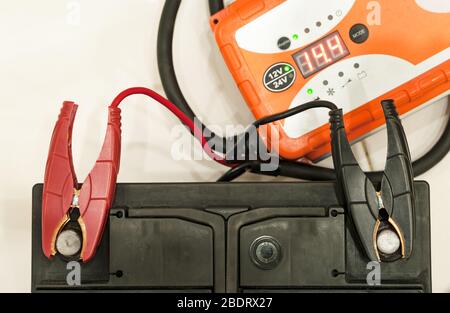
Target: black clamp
[{"x": 383, "y": 216}]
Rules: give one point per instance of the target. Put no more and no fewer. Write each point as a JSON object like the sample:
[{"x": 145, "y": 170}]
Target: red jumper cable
[{"x": 74, "y": 215}]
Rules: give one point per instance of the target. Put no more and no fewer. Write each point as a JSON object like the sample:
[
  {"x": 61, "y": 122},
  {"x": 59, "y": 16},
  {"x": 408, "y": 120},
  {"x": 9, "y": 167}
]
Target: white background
[{"x": 47, "y": 57}]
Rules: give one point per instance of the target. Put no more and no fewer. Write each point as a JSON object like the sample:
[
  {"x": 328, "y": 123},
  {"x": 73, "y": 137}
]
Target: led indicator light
[
  {"x": 287, "y": 68},
  {"x": 310, "y": 91},
  {"x": 295, "y": 37}
]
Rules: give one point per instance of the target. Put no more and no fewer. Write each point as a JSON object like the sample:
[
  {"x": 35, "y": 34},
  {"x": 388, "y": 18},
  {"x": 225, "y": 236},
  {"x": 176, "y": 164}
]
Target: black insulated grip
[
  {"x": 359, "y": 192},
  {"x": 398, "y": 178}
]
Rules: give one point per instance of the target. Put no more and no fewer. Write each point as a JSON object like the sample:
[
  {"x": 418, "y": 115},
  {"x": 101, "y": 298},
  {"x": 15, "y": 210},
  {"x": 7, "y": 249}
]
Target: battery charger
[{"x": 283, "y": 53}]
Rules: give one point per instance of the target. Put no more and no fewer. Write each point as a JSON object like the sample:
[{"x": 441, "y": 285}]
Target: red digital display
[{"x": 321, "y": 54}]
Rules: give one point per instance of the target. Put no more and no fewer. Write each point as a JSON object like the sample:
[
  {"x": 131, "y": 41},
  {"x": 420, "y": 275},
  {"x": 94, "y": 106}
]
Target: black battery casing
[{"x": 201, "y": 238}]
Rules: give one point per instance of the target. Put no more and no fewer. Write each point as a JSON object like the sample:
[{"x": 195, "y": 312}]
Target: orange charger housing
[{"x": 355, "y": 53}]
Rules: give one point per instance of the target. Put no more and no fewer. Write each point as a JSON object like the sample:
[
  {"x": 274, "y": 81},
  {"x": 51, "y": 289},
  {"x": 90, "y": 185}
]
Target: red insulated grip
[
  {"x": 97, "y": 192},
  {"x": 59, "y": 179}
]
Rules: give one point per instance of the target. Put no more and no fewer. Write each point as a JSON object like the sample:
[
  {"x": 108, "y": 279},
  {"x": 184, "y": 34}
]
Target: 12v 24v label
[{"x": 279, "y": 77}]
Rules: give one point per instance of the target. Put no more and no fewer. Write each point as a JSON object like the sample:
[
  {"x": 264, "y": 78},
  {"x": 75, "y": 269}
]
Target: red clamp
[{"x": 66, "y": 203}]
